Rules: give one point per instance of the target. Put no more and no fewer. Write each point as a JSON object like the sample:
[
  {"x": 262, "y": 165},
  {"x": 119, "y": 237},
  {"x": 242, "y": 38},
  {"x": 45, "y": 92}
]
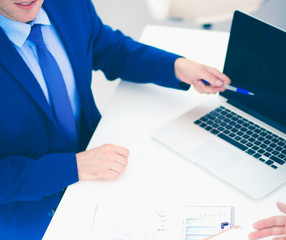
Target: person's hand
[
  {"x": 273, "y": 226},
  {"x": 104, "y": 162},
  {"x": 192, "y": 73}
]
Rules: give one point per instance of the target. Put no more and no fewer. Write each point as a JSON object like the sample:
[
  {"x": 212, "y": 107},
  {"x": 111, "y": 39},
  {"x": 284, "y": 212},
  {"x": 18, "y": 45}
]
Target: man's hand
[
  {"x": 273, "y": 226},
  {"x": 104, "y": 162},
  {"x": 192, "y": 73}
]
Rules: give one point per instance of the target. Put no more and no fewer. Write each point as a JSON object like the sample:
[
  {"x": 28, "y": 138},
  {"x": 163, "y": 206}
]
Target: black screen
[{"x": 256, "y": 61}]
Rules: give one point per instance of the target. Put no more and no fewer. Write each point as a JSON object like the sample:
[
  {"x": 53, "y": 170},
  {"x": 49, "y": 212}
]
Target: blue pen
[{"x": 231, "y": 88}]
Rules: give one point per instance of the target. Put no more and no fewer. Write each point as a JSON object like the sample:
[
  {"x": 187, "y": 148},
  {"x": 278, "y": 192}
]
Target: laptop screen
[{"x": 256, "y": 61}]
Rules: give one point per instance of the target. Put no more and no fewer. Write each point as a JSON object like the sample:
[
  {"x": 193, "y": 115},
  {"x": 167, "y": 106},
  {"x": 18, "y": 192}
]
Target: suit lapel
[{"x": 12, "y": 61}]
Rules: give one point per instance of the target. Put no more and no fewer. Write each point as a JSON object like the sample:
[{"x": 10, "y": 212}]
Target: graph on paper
[
  {"x": 182, "y": 223},
  {"x": 202, "y": 222}
]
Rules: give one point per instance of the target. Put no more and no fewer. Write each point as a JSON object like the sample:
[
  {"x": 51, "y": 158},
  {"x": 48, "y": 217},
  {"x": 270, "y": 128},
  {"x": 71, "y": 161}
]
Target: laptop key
[
  {"x": 269, "y": 162},
  {"x": 209, "y": 116},
  {"x": 215, "y": 125},
  {"x": 231, "y": 141},
  {"x": 250, "y": 151},
  {"x": 261, "y": 151},
  {"x": 246, "y": 136},
  {"x": 275, "y": 140},
  {"x": 255, "y": 135},
  {"x": 232, "y": 135},
  {"x": 269, "y": 149},
  {"x": 275, "y": 153},
  {"x": 243, "y": 141},
  {"x": 267, "y": 154},
  {"x": 203, "y": 119},
  {"x": 257, "y": 130},
  {"x": 203, "y": 125},
  {"x": 226, "y": 131},
  {"x": 198, "y": 122},
  {"x": 251, "y": 139},
  {"x": 251, "y": 127},
  {"x": 257, "y": 155},
  {"x": 257, "y": 143},
  {"x": 263, "y": 146},
  {"x": 214, "y": 113},
  {"x": 237, "y": 138},
  {"x": 234, "y": 130},
  {"x": 223, "y": 124},
  {"x": 273, "y": 145},
  {"x": 278, "y": 148},
  {"x": 277, "y": 160},
  {"x": 263, "y": 134},
  {"x": 214, "y": 131},
  {"x": 255, "y": 148}
]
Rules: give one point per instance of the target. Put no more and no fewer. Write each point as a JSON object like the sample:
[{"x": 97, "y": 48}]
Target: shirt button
[{"x": 51, "y": 212}]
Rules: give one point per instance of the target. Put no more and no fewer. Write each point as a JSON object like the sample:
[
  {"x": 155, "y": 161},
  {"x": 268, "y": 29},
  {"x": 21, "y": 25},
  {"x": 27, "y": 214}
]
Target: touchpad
[{"x": 216, "y": 155}]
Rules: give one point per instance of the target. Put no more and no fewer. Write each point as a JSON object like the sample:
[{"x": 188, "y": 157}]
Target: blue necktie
[{"x": 57, "y": 90}]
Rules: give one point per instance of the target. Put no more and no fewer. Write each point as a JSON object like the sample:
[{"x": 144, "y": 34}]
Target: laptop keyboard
[{"x": 245, "y": 135}]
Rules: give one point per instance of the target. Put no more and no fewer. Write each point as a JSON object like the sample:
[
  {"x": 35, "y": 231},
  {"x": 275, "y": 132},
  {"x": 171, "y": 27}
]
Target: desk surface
[{"x": 155, "y": 174}]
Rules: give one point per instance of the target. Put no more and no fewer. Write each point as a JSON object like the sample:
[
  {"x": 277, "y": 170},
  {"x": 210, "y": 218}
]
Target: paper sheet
[{"x": 183, "y": 223}]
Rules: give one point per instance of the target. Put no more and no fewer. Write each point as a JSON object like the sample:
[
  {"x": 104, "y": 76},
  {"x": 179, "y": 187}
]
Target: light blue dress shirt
[{"x": 18, "y": 33}]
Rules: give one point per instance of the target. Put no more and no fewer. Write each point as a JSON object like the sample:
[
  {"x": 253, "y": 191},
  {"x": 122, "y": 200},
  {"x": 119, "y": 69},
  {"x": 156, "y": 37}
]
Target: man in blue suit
[{"x": 47, "y": 53}]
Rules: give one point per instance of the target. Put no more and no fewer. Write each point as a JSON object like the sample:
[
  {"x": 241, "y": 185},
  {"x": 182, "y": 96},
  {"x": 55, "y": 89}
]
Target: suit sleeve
[
  {"x": 28, "y": 180},
  {"x": 122, "y": 57}
]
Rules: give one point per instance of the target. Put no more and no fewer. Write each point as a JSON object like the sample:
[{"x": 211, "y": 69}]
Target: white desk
[{"x": 155, "y": 174}]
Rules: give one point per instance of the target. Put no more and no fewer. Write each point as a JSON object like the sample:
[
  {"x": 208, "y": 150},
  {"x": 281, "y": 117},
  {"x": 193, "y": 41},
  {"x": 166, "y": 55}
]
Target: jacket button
[{"x": 51, "y": 212}]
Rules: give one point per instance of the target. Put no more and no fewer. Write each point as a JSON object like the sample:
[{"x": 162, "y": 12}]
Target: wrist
[{"x": 178, "y": 67}]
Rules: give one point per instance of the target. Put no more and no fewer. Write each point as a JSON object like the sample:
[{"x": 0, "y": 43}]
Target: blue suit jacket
[{"x": 36, "y": 161}]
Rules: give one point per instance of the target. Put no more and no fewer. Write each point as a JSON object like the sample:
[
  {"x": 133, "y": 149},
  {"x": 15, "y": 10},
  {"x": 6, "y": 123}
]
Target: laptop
[{"x": 240, "y": 138}]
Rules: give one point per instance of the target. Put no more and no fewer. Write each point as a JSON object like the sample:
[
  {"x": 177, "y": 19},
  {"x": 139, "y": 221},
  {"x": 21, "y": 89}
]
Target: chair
[{"x": 200, "y": 11}]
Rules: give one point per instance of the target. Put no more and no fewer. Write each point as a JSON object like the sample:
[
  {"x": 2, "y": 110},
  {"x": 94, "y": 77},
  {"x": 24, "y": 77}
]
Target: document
[{"x": 181, "y": 223}]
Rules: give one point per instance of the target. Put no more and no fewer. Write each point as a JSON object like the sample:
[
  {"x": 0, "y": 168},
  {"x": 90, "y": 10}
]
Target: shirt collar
[{"x": 18, "y": 32}]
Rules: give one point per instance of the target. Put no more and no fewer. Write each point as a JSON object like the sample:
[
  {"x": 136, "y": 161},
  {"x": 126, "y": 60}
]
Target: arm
[
  {"x": 132, "y": 61},
  {"x": 119, "y": 56},
  {"x": 273, "y": 226},
  {"x": 27, "y": 179}
]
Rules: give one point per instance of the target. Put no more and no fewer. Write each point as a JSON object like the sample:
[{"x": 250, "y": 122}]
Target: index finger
[
  {"x": 211, "y": 79},
  {"x": 221, "y": 76},
  {"x": 204, "y": 87},
  {"x": 124, "y": 152},
  {"x": 270, "y": 222}
]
